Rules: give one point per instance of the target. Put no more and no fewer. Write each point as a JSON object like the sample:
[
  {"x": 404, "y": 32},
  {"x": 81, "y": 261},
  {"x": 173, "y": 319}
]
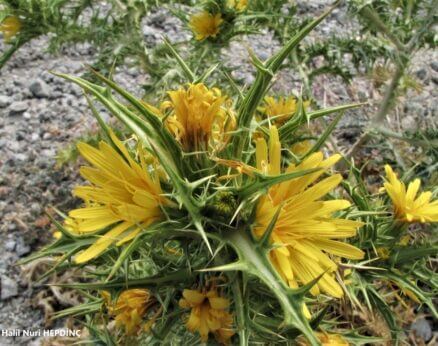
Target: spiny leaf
[
  {"x": 257, "y": 264},
  {"x": 156, "y": 280},
  {"x": 323, "y": 137},
  {"x": 264, "y": 241},
  {"x": 264, "y": 182},
  {"x": 234, "y": 266},
  {"x": 294, "y": 122},
  {"x": 261, "y": 84},
  {"x": 186, "y": 69},
  {"x": 151, "y": 132}
]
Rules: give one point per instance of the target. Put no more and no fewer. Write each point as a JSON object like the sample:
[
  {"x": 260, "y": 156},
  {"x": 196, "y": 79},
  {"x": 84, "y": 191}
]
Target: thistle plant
[{"x": 204, "y": 225}]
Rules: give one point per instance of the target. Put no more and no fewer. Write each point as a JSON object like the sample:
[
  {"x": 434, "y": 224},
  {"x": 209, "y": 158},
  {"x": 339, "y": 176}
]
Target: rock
[
  {"x": 150, "y": 31},
  {"x": 422, "y": 329},
  {"x": 434, "y": 65},
  {"x": 21, "y": 157},
  {"x": 39, "y": 89},
  {"x": 9, "y": 288},
  {"x": 409, "y": 123},
  {"x": 4, "y": 101},
  {"x": 421, "y": 73},
  {"x": 21, "y": 248},
  {"x": 18, "y": 107},
  {"x": 34, "y": 137},
  {"x": 10, "y": 245}
]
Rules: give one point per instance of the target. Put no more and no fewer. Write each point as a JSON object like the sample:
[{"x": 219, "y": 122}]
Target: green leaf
[
  {"x": 408, "y": 254},
  {"x": 150, "y": 131},
  {"x": 257, "y": 264},
  {"x": 264, "y": 182},
  {"x": 379, "y": 303},
  {"x": 294, "y": 122},
  {"x": 261, "y": 85},
  {"x": 156, "y": 280},
  {"x": 186, "y": 69},
  {"x": 323, "y": 137}
]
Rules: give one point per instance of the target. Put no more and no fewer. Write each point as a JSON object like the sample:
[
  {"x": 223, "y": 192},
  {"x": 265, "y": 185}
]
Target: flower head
[
  {"x": 123, "y": 197},
  {"x": 10, "y": 27},
  {"x": 327, "y": 340},
  {"x": 198, "y": 115},
  {"x": 209, "y": 314},
  {"x": 407, "y": 206},
  {"x": 282, "y": 108},
  {"x": 205, "y": 24},
  {"x": 129, "y": 308},
  {"x": 306, "y": 228},
  {"x": 301, "y": 148},
  {"x": 238, "y": 5}
]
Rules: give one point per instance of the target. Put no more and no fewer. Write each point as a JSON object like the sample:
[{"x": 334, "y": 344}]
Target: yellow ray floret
[
  {"x": 282, "y": 108},
  {"x": 238, "y": 5},
  {"x": 198, "y": 116},
  {"x": 209, "y": 314},
  {"x": 123, "y": 197},
  {"x": 205, "y": 24},
  {"x": 407, "y": 206},
  {"x": 10, "y": 27},
  {"x": 326, "y": 340},
  {"x": 129, "y": 308},
  {"x": 306, "y": 229}
]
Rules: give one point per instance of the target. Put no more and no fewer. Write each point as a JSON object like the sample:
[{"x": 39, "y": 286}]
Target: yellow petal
[
  {"x": 102, "y": 243},
  {"x": 219, "y": 303},
  {"x": 193, "y": 297},
  {"x": 339, "y": 249}
]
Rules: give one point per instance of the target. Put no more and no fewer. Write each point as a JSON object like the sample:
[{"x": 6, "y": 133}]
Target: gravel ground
[{"x": 40, "y": 114}]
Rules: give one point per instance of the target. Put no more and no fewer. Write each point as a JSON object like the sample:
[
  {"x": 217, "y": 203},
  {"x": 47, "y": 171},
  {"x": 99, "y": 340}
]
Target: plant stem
[
  {"x": 256, "y": 262},
  {"x": 240, "y": 310},
  {"x": 385, "y": 107},
  {"x": 369, "y": 13}
]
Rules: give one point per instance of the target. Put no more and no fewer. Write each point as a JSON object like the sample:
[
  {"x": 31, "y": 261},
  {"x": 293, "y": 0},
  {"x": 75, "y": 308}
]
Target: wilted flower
[
  {"x": 198, "y": 115},
  {"x": 124, "y": 196},
  {"x": 282, "y": 108},
  {"x": 209, "y": 314},
  {"x": 305, "y": 228},
  {"x": 10, "y": 27},
  {"x": 129, "y": 308},
  {"x": 407, "y": 206},
  {"x": 238, "y": 5},
  {"x": 205, "y": 24}
]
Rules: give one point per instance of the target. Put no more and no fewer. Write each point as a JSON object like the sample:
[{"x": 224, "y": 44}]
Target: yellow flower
[
  {"x": 282, "y": 109},
  {"x": 407, "y": 207},
  {"x": 301, "y": 148},
  {"x": 404, "y": 241},
  {"x": 204, "y": 25},
  {"x": 208, "y": 314},
  {"x": 10, "y": 27},
  {"x": 238, "y": 5},
  {"x": 198, "y": 116},
  {"x": 306, "y": 228},
  {"x": 383, "y": 252},
  {"x": 129, "y": 308},
  {"x": 124, "y": 197},
  {"x": 327, "y": 340}
]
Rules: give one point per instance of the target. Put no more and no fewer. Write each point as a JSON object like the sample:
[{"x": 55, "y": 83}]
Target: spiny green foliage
[{"x": 209, "y": 235}]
